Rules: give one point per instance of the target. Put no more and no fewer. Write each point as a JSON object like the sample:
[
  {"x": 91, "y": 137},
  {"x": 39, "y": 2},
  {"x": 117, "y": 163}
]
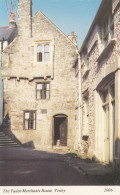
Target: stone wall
[
  {"x": 21, "y": 71},
  {"x": 101, "y": 63}
]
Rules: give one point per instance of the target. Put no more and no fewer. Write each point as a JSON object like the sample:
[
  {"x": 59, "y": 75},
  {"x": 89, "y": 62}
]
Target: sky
[{"x": 67, "y": 15}]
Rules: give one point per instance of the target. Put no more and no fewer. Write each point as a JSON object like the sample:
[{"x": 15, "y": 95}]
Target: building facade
[
  {"x": 39, "y": 82},
  {"x": 100, "y": 84},
  {"x": 7, "y": 35}
]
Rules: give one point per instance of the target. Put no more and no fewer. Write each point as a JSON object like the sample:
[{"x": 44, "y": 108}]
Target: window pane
[
  {"x": 46, "y": 56},
  {"x": 39, "y": 57},
  {"x": 46, "y": 49},
  {"x": 39, "y": 86},
  {"x": 43, "y": 94},
  {"x": 38, "y": 95},
  {"x": 47, "y": 86},
  {"x": 27, "y": 115},
  {"x": 34, "y": 124},
  {"x": 26, "y": 124},
  {"x": 39, "y": 48},
  {"x": 31, "y": 124},
  {"x": 113, "y": 91},
  {"x": 47, "y": 95},
  {"x": 106, "y": 96}
]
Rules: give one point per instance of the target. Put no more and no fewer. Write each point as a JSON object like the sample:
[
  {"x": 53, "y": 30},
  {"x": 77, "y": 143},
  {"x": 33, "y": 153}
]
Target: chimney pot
[
  {"x": 12, "y": 16},
  {"x": 72, "y": 33},
  {"x": 12, "y": 22}
]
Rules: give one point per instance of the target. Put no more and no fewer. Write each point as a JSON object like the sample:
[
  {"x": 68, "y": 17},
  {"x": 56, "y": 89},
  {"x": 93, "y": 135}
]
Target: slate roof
[{"x": 8, "y": 34}]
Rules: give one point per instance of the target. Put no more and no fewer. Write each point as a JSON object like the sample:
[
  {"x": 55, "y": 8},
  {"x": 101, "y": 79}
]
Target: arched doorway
[{"x": 60, "y": 130}]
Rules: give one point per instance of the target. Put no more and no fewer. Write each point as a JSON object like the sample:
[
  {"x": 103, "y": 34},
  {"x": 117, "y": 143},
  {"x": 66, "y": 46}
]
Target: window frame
[
  {"x": 107, "y": 28},
  {"x": 30, "y": 112},
  {"x": 39, "y": 54},
  {"x": 44, "y": 89},
  {"x": 43, "y": 52}
]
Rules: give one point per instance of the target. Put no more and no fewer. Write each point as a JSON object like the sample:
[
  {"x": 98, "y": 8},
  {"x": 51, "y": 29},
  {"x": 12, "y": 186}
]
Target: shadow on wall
[{"x": 6, "y": 129}]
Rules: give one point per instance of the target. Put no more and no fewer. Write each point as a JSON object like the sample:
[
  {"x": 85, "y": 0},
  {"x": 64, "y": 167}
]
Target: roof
[
  {"x": 99, "y": 15},
  {"x": 8, "y": 34}
]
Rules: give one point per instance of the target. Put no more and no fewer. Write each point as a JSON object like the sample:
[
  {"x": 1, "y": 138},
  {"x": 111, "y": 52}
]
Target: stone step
[
  {"x": 5, "y": 138},
  {"x": 7, "y": 141},
  {"x": 60, "y": 149},
  {"x": 2, "y": 134},
  {"x": 8, "y": 144},
  {"x": 1, "y": 146}
]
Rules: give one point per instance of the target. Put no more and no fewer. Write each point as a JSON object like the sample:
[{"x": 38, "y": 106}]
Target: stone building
[
  {"x": 7, "y": 35},
  {"x": 99, "y": 84},
  {"x": 39, "y": 82}
]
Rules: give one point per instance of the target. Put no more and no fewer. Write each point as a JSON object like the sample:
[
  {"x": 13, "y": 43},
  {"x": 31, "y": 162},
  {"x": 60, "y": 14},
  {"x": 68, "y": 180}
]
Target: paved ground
[{"x": 26, "y": 167}]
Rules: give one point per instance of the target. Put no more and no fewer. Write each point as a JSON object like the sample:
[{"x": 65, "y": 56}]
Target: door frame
[{"x": 55, "y": 116}]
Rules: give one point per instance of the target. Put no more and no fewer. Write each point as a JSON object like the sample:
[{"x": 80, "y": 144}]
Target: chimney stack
[
  {"x": 25, "y": 18},
  {"x": 12, "y": 23},
  {"x": 73, "y": 37}
]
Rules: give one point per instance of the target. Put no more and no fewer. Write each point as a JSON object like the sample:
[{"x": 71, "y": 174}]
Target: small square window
[
  {"x": 43, "y": 90},
  {"x": 29, "y": 120}
]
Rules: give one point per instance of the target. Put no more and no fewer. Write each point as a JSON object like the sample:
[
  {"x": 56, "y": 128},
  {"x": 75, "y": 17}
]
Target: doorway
[
  {"x": 60, "y": 130},
  {"x": 109, "y": 122}
]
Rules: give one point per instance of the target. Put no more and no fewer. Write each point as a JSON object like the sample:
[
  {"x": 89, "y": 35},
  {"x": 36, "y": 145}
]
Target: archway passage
[{"x": 60, "y": 130}]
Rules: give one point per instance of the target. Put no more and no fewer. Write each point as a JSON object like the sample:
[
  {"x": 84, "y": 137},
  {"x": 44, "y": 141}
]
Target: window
[
  {"x": 106, "y": 97},
  {"x": 43, "y": 90},
  {"x": 46, "y": 53},
  {"x": 39, "y": 53},
  {"x": 43, "y": 53},
  {"x": 29, "y": 120},
  {"x": 107, "y": 29},
  {"x": 86, "y": 59}
]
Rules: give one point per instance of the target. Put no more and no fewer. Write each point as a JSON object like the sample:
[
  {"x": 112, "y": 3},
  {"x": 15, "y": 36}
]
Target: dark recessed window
[
  {"x": 39, "y": 53},
  {"x": 43, "y": 53},
  {"x": 43, "y": 90},
  {"x": 29, "y": 120}
]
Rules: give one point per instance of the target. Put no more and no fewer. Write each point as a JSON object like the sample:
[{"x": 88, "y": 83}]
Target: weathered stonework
[
  {"x": 100, "y": 75},
  {"x": 21, "y": 72}
]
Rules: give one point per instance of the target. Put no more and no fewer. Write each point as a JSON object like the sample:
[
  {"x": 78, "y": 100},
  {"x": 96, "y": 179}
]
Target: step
[
  {"x": 5, "y": 138},
  {"x": 6, "y": 141},
  {"x": 2, "y": 134},
  {"x": 9, "y": 143},
  {"x": 1, "y": 146}
]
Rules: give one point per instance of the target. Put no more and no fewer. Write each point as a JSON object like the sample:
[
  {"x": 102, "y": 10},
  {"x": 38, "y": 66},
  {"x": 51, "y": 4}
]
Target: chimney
[
  {"x": 25, "y": 18},
  {"x": 73, "y": 37},
  {"x": 12, "y": 23}
]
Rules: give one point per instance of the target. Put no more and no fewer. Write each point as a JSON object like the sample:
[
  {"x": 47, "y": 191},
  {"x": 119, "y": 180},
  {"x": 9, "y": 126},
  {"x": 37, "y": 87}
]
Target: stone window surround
[
  {"x": 41, "y": 55},
  {"x": 43, "y": 43},
  {"x": 34, "y": 120}
]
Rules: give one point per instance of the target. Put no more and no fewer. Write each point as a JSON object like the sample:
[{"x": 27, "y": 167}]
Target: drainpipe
[{"x": 79, "y": 101}]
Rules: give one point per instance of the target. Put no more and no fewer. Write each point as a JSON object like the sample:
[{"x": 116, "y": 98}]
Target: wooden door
[
  {"x": 60, "y": 130},
  {"x": 63, "y": 131}
]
